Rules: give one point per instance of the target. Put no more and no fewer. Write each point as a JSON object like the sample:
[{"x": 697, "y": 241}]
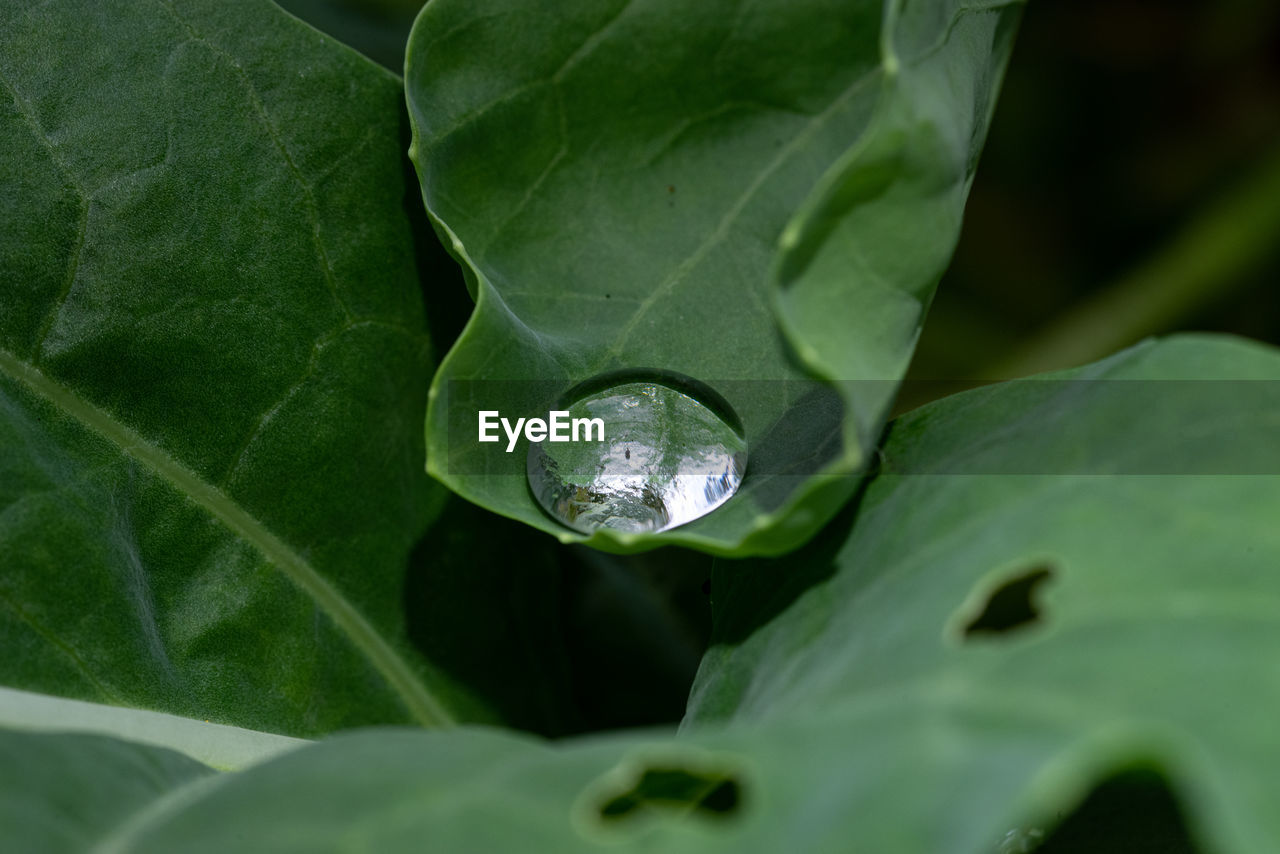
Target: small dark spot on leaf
[
  {"x": 1011, "y": 606},
  {"x": 706, "y": 587},
  {"x": 671, "y": 188},
  {"x": 606, "y": 296}
]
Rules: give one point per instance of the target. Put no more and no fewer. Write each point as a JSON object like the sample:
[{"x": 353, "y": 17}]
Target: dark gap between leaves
[{"x": 1011, "y": 606}]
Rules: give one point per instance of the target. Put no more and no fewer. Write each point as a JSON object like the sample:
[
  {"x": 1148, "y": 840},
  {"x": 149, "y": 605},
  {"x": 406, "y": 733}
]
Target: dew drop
[{"x": 671, "y": 453}]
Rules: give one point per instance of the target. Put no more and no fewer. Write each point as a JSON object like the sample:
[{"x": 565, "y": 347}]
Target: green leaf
[
  {"x": 761, "y": 197},
  {"x": 212, "y": 364},
  {"x": 74, "y": 793},
  {"x": 867, "y": 707},
  {"x": 477, "y": 790},
  {"x": 1050, "y": 580}
]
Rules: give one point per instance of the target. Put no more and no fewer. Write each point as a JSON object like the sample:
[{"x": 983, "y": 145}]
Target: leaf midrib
[{"x": 421, "y": 705}]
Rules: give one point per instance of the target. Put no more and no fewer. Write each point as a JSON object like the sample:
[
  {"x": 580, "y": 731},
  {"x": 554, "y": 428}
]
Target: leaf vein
[
  {"x": 56, "y": 642},
  {"x": 725, "y": 225},
  {"x": 419, "y": 702},
  {"x": 580, "y": 53},
  {"x": 131, "y": 829},
  {"x": 308, "y": 193},
  {"x": 68, "y": 282},
  {"x": 589, "y": 46},
  {"x": 73, "y": 262},
  {"x": 529, "y": 194},
  {"x": 308, "y": 372}
]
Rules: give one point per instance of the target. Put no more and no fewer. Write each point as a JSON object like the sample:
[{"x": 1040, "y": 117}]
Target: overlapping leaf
[
  {"x": 69, "y": 792},
  {"x": 1127, "y": 511},
  {"x": 221, "y": 746},
  {"x": 757, "y": 196}
]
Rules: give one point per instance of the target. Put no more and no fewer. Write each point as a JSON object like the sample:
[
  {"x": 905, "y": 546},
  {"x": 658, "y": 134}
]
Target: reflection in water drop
[{"x": 666, "y": 459}]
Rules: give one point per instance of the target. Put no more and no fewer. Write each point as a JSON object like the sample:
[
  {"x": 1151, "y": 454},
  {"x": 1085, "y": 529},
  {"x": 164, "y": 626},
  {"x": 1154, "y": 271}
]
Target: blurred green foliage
[{"x": 1119, "y": 123}]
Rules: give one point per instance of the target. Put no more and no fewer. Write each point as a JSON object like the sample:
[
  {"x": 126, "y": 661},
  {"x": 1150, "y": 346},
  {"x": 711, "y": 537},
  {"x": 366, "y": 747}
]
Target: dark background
[{"x": 1130, "y": 187}]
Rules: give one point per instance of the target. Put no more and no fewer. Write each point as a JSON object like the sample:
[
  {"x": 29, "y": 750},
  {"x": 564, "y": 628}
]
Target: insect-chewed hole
[
  {"x": 1132, "y": 811},
  {"x": 1011, "y": 606},
  {"x": 637, "y": 794},
  {"x": 676, "y": 788}
]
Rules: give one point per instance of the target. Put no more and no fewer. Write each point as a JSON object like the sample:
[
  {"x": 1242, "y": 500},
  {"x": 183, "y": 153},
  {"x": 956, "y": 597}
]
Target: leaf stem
[{"x": 1212, "y": 255}]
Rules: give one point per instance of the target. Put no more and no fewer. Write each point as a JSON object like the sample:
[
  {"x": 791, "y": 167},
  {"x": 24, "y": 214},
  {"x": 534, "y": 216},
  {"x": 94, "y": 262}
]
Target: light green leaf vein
[{"x": 128, "y": 832}]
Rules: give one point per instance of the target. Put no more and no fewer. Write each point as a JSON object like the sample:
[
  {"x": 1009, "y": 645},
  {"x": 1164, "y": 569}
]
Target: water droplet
[{"x": 672, "y": 452}]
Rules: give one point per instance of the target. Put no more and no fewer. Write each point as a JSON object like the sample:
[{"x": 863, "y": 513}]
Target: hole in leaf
[
  {"x": 1133, "y": 812},
  {"x": 1011, "y": 606},
  {"x": 676, "y": 789},
  {"x": 652, "y": 789}
]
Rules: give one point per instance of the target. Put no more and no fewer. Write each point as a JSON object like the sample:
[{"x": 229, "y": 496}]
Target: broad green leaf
[
  {"x": 757, "y": 196},
  {"x": 212, "y": 363},
  {"x": 1142, "y": 493},
  {"x": 483, "y": 790}
]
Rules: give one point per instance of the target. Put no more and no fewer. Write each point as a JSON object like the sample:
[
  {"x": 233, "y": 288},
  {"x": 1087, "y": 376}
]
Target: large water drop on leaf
[{"x": 671, "y": 453}]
